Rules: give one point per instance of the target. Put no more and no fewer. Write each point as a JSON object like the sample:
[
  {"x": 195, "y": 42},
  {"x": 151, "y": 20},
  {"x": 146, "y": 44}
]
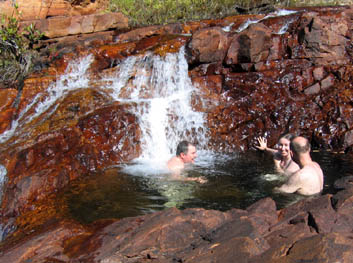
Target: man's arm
[
  {"x": 292, "y": 185},
  {"x": 176, "y": 176}
]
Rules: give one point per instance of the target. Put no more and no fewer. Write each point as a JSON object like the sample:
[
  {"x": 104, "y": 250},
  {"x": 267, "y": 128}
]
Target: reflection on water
[
  {"x": 233, "y": 182},
  {"x": 175, "y": 192},
  {"x": 274, "y": 177}
]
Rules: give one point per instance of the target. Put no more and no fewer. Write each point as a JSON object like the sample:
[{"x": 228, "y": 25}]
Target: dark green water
[{"x": 233, "y": 182}]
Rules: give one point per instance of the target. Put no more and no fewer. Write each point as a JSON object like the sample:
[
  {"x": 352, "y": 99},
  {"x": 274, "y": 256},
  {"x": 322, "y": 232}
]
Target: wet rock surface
[
  {"x": 281, "y": 82},
  {"x": 288, "y": 73},
  {"x": 55, "y": 158},
  {"x": 303, "y": 231}
]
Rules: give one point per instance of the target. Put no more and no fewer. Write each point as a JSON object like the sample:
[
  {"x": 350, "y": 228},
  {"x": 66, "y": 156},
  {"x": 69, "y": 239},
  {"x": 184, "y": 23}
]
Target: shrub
[{"x": 16, "y": 50}]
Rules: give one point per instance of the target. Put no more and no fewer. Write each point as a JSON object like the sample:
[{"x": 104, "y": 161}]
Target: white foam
[
  {"x": 277, "y": 13},
  {"x": 3, "y": 180},
  {"x": 161, "y": 93}
]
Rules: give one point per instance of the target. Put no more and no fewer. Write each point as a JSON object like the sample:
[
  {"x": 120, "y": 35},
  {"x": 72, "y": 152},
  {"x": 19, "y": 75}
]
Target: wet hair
[
  {"x": 183, "y": 147},
  {"x": 299, "y": 147}
]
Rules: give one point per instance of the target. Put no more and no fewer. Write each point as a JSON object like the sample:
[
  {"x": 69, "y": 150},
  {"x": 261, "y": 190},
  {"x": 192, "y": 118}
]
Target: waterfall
[
  {"x": 162, "y": 92},
  {"x": 157, "y": 89}
]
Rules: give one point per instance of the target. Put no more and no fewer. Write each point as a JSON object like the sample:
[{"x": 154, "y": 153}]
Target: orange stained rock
[
  {"x": 116, "y": 51},
  {"x": 155, "y": 43},
  {"x": 7, "y": 97},
  {"x": 6, "y": 118},
  {"x": 170, "y": 46},
  {"x": 7, "y": 113},
  {"x": 39, "y": 217}
]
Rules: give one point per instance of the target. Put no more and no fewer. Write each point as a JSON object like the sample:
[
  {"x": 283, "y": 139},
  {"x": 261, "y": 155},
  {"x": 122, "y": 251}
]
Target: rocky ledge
[{"x": 316, "y": 229}]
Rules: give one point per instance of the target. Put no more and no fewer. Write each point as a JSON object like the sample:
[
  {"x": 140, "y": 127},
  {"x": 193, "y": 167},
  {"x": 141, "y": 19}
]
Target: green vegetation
[
  {"x": 317, "y": 2},
  {"x": 150, "y": 12},
  {"x": 157, "y": 12},
  {"x": 16, "y": 50}
]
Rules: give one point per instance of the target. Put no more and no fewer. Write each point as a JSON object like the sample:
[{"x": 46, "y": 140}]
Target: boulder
[
  {"x": 209, "y": 45},
  {"x": 324, "y": 42},
  {"x": 193, "y": 235},
  {"x": 41, "y": 9},
  {"x": 251, "y": 45},
  {"x": 60, "y": 26}
]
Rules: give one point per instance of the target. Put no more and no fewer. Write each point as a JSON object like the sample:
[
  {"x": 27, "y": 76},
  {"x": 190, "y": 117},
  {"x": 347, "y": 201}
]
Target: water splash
[{"x": 162, "y": 92}]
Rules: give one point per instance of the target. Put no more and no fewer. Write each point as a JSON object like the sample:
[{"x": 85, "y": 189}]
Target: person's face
[
  {"x": 190, "y": 156},
  {"x": 284, "y": 147}
]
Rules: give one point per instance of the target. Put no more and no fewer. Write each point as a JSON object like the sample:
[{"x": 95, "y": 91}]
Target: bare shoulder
[
  {"x": 296, "y": 176},
  {"x": 175, "y": 164},
  {"x": 312, "y": 168},
  {"x": 172, "y": 160},
  {"x": 291, "y": 169},
  {"x": 311, "y": 178},
  {"x": 317, "y": 166}
]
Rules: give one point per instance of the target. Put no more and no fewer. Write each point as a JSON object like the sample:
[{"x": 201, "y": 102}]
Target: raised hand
[{"x": 262, "y": 143}]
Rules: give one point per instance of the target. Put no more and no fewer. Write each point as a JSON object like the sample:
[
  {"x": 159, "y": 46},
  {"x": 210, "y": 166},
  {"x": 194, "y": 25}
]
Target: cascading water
[
  {"x": 158, "y": 88},
  {"x": 162, "y": 92},
  {"x": 3, "y": 180},
  {"x": 247, "y": 23},
  {"x": 46, "y": 103}
]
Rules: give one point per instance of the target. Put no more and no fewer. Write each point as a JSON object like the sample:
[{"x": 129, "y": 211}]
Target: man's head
[
  {"x": 299, "y": 146},
  {"x": 186, "y": 152}
]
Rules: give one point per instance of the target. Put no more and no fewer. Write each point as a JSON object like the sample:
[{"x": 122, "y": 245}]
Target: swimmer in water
[
  {"x": 309, "y": 179},
  {"x": 185, "y": 154},
  {"x": 282, "y": 156}
]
